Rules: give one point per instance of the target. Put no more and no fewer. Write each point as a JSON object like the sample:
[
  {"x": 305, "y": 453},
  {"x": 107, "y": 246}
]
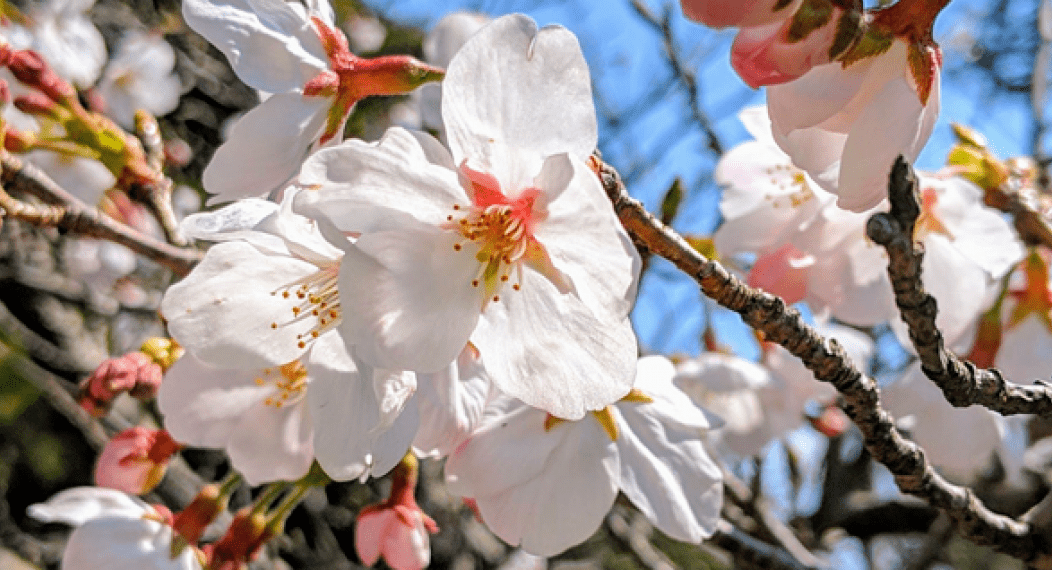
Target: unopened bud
[
  {"x": 28, "y": 67},
  {"x": 190, "y": 523},
  {"x": 37, "y": 104},
  {"x": 135, "y": 460},
  {"x": 246, "y": 535},
  {"x": 163, "y": 351},
  {"x": 394, "y": 75},
  {"x": 134, "y": 372}
]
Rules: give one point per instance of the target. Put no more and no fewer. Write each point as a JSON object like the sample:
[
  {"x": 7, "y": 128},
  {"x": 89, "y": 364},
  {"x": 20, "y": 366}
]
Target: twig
[
  {"x": 67, "y": 212},
  {"x": 826, "y": 359},
  {"x": 686, "y": 75},
  {"x": 961, "y": 381},
  {"x": 757, "y": 507},
  {"x": 751, "y": 553},
  {"x": 157, "y": 196},
  {"x": 633, "y": 532}
]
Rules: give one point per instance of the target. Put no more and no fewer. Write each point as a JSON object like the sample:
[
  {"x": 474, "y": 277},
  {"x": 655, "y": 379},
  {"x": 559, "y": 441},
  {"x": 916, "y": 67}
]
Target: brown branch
[
  {"x": 826, "y": 359},
  {"x": 157, "y": 195},
  {"x": 67, "y": 212},
  {"x": 962, "y": 382}
]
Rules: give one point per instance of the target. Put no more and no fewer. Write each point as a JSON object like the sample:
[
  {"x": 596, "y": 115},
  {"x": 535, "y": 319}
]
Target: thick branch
[
  {"x": 961, "y": 381},
  {"x": 827, "y": 360},
  {"x": 73, "y": 215}
]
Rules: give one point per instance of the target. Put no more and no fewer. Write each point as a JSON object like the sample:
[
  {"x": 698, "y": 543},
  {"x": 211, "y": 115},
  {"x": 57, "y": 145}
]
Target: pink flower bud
[
  {"x": 35, "y": 103},
  {"x": 725, "y": 13},
  {"x": 135, "y": 460},
  {"x": 396, "y": 529},
  {"x": 134, "y": 372},
  {"x": 31, "y": 69}
]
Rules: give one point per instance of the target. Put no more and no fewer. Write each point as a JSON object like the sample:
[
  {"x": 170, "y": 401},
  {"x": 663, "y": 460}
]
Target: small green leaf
[{"x": 670, "y": 203}]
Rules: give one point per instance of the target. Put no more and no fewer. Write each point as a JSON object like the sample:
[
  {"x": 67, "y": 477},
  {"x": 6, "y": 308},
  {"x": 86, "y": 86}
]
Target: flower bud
[
  {"x": 242, "y": 540},
  {"x": 190, "y": 523},
  {"x": 135, "y": 460},
  {"x": 28, "y": 67},
  {"x": 396, "y": 529},
  {"x": 134, "y": 372}
]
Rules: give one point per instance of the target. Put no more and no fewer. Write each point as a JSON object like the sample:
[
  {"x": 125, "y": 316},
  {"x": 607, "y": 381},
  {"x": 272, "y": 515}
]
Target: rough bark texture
[
  {"x": 963, "y": 383},
  {"x": 826, "y": 359}
]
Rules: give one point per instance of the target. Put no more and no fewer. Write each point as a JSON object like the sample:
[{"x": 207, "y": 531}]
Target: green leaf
[
  {"x": 848, "y": 31},
  {"x": 671, "y": 202}
]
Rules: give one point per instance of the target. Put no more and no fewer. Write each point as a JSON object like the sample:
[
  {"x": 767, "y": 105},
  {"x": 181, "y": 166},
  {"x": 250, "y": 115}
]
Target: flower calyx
[{"x": 351, "y": 78}]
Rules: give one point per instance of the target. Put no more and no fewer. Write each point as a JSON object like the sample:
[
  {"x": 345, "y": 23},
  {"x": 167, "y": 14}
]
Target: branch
[
  {"x": 67, "y": 212},
  {"x": 157, "y": 196},
  {"x": 829, "y": 363},
  {"x": 751, "y": 553},
  {"x": 961, "y": 381}
]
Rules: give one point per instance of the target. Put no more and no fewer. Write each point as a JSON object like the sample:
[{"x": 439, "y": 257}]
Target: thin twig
[
  {"x": 686, "y": 75},
  {"x": 961, "y": 381},
  {"x": 749, "y": 552},
  {"x": 827, "y": 360},
  {"x": 67, "y": 212}
]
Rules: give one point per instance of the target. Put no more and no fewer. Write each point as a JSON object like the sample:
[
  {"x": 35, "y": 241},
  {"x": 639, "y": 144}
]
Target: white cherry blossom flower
[
  {"x": 451, "y": 404},
  {"x": 114, "y": 530},
  {"x": 268, "y": 377},
  {"x": 140, "y": 76},
  {"x": 297, "y": 55},
  {"x": 547, "y": 484},
  {"x": 510, "y": 241},
  {"x": 845, "y": 124}
]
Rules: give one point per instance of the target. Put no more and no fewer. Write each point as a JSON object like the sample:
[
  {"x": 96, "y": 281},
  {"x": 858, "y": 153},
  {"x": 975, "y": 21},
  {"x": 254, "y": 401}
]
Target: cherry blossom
[
  {"x": 776, "y": 52},
  {"x": 547, "y": 484},
  {"x": 440, "y": 45},
  {"x": 268, "y": 377},
  {"x": 509, "y": 240},
  {"x": 730, "y": 387},
  {"x": 845, "y": 123},
  {"x": 451, "y": 404},
  {"x": 140, "y": 76},
  {"x": 303, "y": 61},
  {"x": 114, "y": 530}
]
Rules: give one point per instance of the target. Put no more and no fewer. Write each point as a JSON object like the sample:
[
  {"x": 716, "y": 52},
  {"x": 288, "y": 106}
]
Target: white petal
[
  {"x": 203, "y": 406},
  {"x": 273, "y": 444},
  {"x": 271, "y": 46},
  {"x": 585, "y": 240},
  {"x": 77, "y": 505},
  {"x": 551, "y": 351},
  {"x": 887, "y": 128},
  {"x": 451, "y": 403},
  {"x": 107, "y": 543},
  {"x": 361, "y": 186},
  {"x": 407, "y": 298},
  {"x": 514, "y": 95},
  {"x": 665, "y": 470},
  {"x": 253, "y": 161},
  {"x": 545, "y": 490},
  {"x": 347, "y": 441},
  {"x": 224, "y": 311}
]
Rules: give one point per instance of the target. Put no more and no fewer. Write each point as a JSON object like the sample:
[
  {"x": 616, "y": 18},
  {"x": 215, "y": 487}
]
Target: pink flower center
[
  {"x": 319, "y": 297},
  {"x": 501, "y": 229}
]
